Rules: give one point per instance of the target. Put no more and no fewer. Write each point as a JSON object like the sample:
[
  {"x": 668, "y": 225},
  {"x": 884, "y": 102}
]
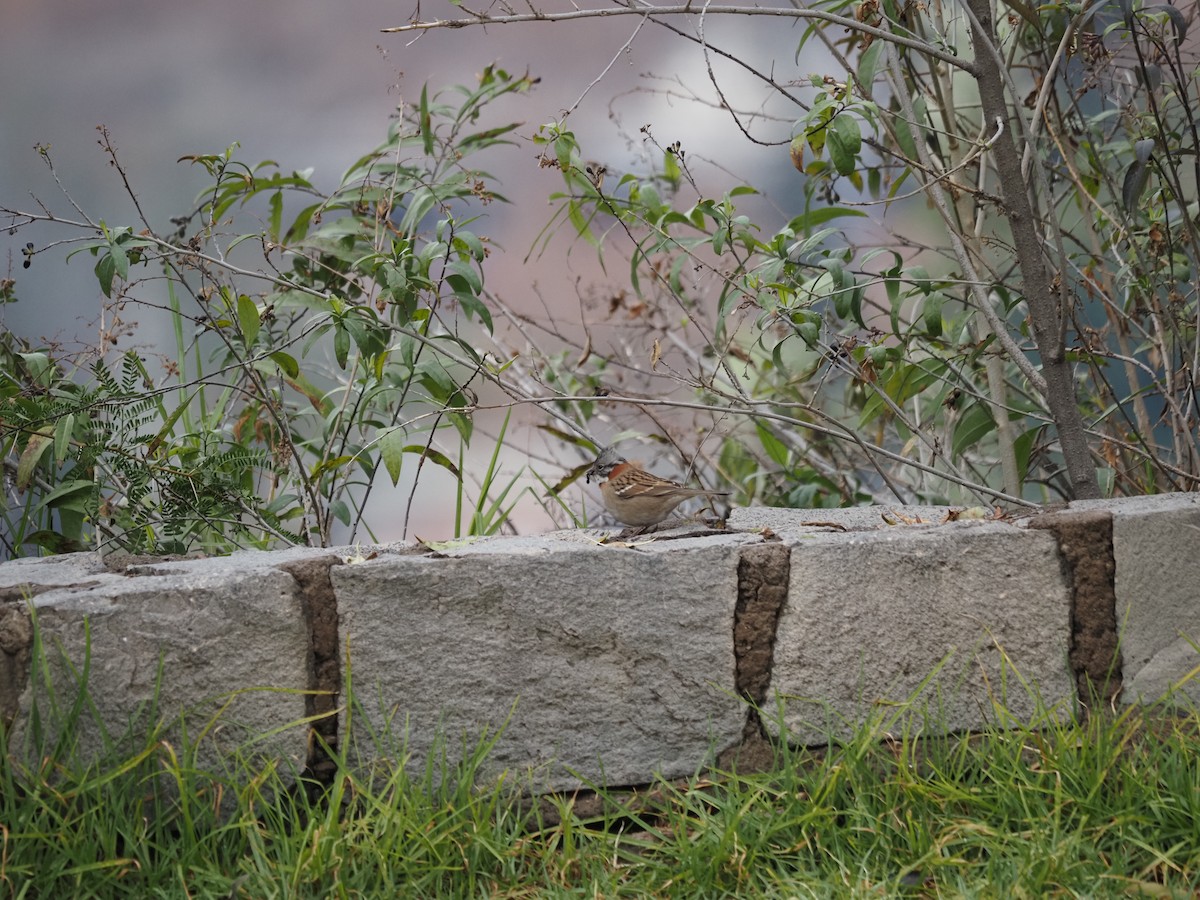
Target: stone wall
[{"x": 609, "y": 664}]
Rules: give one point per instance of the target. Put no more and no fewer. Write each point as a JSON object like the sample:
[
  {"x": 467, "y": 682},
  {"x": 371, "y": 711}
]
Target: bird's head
[{"x": 608, "y": 460}]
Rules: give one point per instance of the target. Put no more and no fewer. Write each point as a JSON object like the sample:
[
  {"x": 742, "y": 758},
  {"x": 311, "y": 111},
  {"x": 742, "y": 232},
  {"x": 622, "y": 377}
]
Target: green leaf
[
  {"x": 391, "y": 448},
  {"x": 463, "y": 423},
  {"x": 1137, "y": 174},
  {"x": 671, "y": 171},
  {"x": 40, "y": 368},
  {"x": 776, "y": 449},
  {"x": 105, "y": 270},
  {"x": 35, "y": 447},
  {"x": 329, "y": 465},
  {"x": 341, "y": 345},
  {"x": 276, "y": 219},
  {"x": 976, "y": 422},
  {"x": 368, "y": 335},
  {"x": 849, "y": 135},
  {"x": 1023, "y": 448},
  {"x": 809, "y": 332},
  {"x": 468, "y": 273},
  {"x": 63, "y": 433},
  {"x": 475, "y": 308},
  {"x": 931, "y": 313},
  {"x": 153, "y": 446},
  {"x": 340, "y": 511},
  {"x": 564, "y": 150},
  {"x": 817, "y": 124},
  {"x": 581, "y": 222},
  {"x": 76, "y": 494},
  {"x": 898, "y": 183},
  {"x": 841, "y": 290},
  {"x": 648, "y": 197},
  {"x": 53, "y": 542},
  {"x": 904, "y": 137},
  {"x": 420, "y": 202},
  {"x": 874, "y": 181},
  {"x": 906, "y": 381},
  {"x": 856, "y": 301},
  {"x": 820, "y": 215},
  {"x": 867, "y": 63},
  {"x": 287, "y": 363},
  {"x": 718, "y": 240},
  {"x": 248, "y": 318},
  {"x": 120, "y": 260},
  {"x": 919, "y": 276},
  {"x": 473, "y": 244},
  {"x": 436, "y": 457},
  {"x": 425, "y": 122},
  {"x": 300, "y": 225}
]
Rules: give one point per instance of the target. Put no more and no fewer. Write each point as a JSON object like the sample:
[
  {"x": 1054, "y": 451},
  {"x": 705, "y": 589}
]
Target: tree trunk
[{"x": 1045, "y": 309}]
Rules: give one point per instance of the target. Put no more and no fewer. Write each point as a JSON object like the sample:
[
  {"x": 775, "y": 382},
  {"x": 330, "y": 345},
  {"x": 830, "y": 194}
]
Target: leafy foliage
[
  {"x": 277, "y": 414},
  {"x": 988, "y": 293},
  {"x": 963, "y": 362}
]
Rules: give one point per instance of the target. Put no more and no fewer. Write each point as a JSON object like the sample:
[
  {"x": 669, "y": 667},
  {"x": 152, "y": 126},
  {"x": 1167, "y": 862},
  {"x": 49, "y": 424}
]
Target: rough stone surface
[
  {"x": 24, "y": 577},
  {"x": 785, "y": 522},
  {"x": 610, "y": 664},
  {"x": 1085, "y": 545},
  {"x": 1156, "y": 548},
  {"x": 871, "y": 616},
  {"x": 674, "y": 539},
  {"x": 230, "y": 637},
  {"x": 601, "y": 664}
]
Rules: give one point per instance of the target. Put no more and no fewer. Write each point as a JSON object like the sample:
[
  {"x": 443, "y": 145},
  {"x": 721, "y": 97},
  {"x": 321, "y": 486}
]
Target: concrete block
[
  {"x": 871, "y": 615},
  {"x": 611, "y": 664},
  {"x": 682, "y": 538},
  {"x": 1156, "y": 549},
  {"x": 233, "y": 647},
  {"x": 602, "y": 664},
  {"x": 786, "y": 522},
  {"x": 22, "y": 578}
]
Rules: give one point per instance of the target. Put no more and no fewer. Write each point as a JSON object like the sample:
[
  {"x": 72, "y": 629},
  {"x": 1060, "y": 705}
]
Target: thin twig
[{"x": 687, "y": 9}]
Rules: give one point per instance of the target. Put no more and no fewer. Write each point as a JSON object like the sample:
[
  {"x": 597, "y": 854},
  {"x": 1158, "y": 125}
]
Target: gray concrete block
[
  {"x": 871, "y": 615},
  {"x": 28, "y": 575},
  {"x": 233, "y": 647},
  {"x": 786, "y": 522},
  {"x": 684, "y": 537},
  {"x": 1156, "y": 548},
  {"x": 601, "y": 664}
]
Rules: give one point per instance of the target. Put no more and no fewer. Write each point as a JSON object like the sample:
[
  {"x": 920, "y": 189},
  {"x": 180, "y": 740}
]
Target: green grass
[{"x": 1110, "y": 807}]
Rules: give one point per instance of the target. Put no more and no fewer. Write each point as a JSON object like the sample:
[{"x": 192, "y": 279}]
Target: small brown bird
[{"x": 635, "y": 496}]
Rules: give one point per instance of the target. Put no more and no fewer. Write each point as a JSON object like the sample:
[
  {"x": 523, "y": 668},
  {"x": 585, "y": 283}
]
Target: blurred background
[{"x": 313, "y": 85}]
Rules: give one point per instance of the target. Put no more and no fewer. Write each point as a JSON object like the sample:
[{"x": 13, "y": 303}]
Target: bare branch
[{"x": 687, "y": 9}]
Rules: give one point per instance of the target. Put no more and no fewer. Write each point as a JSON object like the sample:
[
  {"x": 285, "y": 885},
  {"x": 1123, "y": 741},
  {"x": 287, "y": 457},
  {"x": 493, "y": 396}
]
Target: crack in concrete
[
  {"x": 16, "y": 650},
  {"x": 1085, "y": 546},
  {"x": 764, "y": 571},
  {"x": 319, "y": 605}
]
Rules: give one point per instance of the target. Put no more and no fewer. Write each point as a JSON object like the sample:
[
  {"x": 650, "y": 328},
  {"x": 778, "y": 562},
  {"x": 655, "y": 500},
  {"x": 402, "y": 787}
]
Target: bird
[{"x": 636, "y": 497}]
